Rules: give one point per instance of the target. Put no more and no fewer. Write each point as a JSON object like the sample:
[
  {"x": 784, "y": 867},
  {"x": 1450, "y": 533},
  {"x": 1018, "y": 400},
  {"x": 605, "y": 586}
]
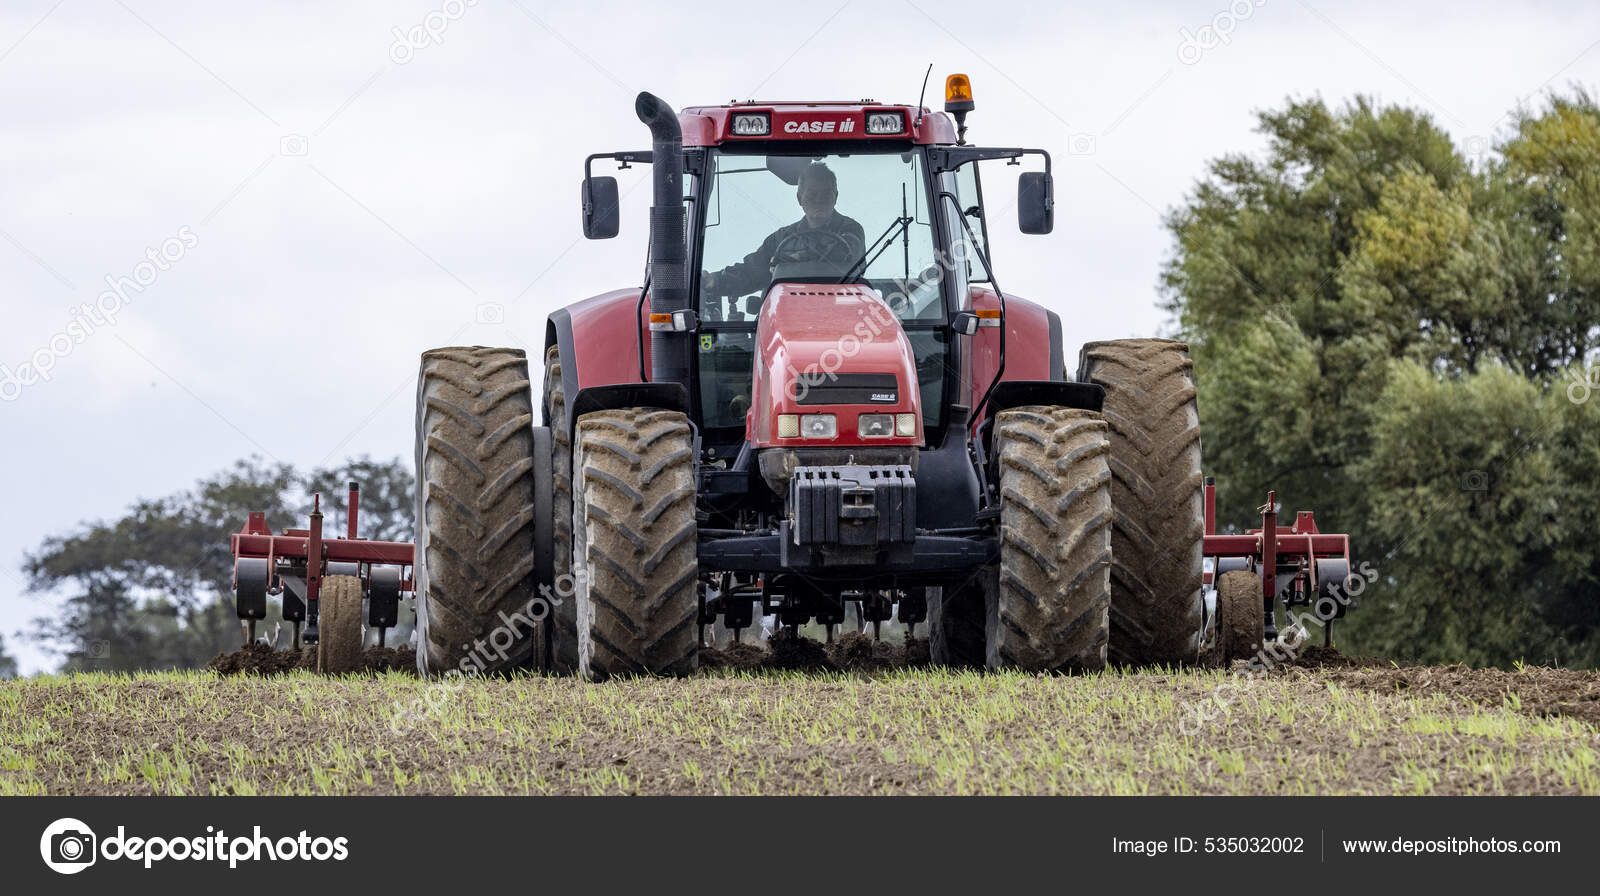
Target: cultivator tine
[{"x": 829, "y": 629}]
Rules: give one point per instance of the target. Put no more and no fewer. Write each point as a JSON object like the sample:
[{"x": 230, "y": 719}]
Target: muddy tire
[
  {"x": 634, "y": 546},
  {"x": 1049, "y": 599},
  {"x": 564, "y": 629},
  {"x": 956, "y": 614},
  {"x": 339, "y": 625},
  {"x": 1157, "y": 606},
  {"x": 475, "y": 554},
  {"x": 1241, "y": 624}
]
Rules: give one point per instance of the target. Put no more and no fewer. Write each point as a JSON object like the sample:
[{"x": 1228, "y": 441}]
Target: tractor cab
[{"x": 879, "y": 209}]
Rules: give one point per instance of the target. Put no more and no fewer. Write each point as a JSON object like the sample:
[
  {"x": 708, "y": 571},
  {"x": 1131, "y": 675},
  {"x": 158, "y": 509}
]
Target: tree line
[{"x": 1403, "y": 337}]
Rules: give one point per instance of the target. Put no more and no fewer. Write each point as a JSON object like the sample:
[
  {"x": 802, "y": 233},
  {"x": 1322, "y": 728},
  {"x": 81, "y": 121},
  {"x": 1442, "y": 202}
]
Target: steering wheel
[{"x": 812, "y": 245}]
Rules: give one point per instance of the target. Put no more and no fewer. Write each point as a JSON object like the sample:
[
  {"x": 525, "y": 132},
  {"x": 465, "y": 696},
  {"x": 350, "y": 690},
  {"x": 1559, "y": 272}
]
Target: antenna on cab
[{"x": 924, "y": 94}]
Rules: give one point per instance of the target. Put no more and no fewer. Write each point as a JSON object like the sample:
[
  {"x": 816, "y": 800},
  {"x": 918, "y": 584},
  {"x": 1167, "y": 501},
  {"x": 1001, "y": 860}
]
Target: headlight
[
  {"x": 752, "y": 124},
  {"x": 819, "y": 426},
  {"x": 875, "y": 426},
  {"x": 885, "y": 123},
  {"x": 788, "y": 426},
  {"x": 905, "y": 425}
]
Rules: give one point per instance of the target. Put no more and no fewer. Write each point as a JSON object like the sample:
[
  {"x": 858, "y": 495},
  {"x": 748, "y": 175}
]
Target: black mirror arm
[
  {"x": 949, "y": 158},
  {"x": 637, "y": 157}
]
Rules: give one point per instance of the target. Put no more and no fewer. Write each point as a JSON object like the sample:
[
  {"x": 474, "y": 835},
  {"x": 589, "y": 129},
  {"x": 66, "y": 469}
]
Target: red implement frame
[
  {"x": 256, "y": 540},
  {"x": 1272, "y": 547}
]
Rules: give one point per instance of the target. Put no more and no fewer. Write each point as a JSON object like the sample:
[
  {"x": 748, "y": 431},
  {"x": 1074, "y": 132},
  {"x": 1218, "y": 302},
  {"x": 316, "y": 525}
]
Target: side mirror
[
  {"x": 601, "y": 217},
  {"x": 965, "y": 323},
  {"x": 1036, "y": 202}
]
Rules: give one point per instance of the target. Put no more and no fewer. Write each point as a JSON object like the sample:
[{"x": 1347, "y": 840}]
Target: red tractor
[{"x": 794, "y": 416}]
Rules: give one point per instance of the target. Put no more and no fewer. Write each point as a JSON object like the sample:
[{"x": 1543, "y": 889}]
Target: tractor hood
[{"x": 831, "y": 349}]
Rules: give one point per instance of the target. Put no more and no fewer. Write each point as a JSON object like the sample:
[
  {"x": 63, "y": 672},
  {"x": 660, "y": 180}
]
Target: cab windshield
[{"x": 828, "y": 218}]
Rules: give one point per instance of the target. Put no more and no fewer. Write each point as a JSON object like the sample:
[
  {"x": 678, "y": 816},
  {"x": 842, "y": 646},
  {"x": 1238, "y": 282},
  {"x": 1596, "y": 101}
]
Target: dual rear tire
[
  {"x": 500, "y": 585},
  {"x": 1102, "y": 516},
  {"x": 479, "y": 520},
  {"x": 1157, "y": 535}
]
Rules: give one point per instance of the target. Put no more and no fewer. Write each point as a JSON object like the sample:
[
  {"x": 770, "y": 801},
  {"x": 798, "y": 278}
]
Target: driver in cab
[{"x": 822, "y": 235}]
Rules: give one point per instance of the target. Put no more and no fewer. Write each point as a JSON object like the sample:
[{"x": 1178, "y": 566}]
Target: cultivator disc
[{"x": 253, "y": 579}]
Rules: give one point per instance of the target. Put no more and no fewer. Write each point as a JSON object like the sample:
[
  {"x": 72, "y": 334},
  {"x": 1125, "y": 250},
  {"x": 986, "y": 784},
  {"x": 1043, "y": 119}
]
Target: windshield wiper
[{"x": 886, "y": 239}]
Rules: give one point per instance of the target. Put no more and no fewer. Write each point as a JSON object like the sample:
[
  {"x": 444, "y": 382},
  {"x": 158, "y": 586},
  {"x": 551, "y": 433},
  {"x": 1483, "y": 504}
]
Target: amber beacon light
[{"x": 958, "y": 102}]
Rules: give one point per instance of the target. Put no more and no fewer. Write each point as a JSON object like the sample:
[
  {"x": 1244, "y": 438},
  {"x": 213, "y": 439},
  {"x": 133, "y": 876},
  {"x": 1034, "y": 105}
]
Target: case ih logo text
[
  {"x": 819, "y": 127},
  {"x": 69, "y": 846}
]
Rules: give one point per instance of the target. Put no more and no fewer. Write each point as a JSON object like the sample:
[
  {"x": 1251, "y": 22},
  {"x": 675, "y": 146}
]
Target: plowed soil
[
  {"x": 263, "y": 660},
  {"x": 1537, "y": 692}
]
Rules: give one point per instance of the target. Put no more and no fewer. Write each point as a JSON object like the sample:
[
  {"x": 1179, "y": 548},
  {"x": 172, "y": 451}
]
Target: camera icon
[
  {"x": 1081, "y": 145},
  {"x": 75, "y": 847},
  {"x": 293, "y": 145},
  {"x": 67, "y": 846},
  {"x": 491, "y": 313},
  {"x": 96, "y": 650},
  {"x": 1475, "y": 481},
  {"x": 1476, "y": 148}
]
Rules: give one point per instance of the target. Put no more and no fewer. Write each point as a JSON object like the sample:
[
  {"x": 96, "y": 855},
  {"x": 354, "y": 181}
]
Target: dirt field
[{"x": 854, "y": 717}]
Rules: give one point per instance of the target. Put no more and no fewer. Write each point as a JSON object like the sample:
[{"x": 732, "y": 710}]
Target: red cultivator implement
[
  {"x": 1300, "y": 565},
  {"x": 296, "y": 562}
]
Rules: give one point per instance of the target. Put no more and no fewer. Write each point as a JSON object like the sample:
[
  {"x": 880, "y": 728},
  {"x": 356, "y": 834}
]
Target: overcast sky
[{"x": 324, "y": 201}]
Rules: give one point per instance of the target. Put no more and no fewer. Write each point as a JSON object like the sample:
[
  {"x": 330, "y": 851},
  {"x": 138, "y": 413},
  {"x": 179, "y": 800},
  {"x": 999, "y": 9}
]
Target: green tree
[
  {"x": 1493, "y": 558},
  {"x": 8, "y": 663},
  {"x": 388, "y": 501},
  {"x": 1362, "y": 284}
]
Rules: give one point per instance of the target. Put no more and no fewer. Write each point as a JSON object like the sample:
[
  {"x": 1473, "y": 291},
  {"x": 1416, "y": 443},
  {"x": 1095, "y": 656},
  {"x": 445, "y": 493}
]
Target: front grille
[{"x": 846, "y": 388}]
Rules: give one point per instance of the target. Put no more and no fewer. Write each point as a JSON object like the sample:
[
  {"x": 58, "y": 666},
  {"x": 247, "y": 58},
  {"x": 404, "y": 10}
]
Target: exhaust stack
[{"x": 670, "y": 354}]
